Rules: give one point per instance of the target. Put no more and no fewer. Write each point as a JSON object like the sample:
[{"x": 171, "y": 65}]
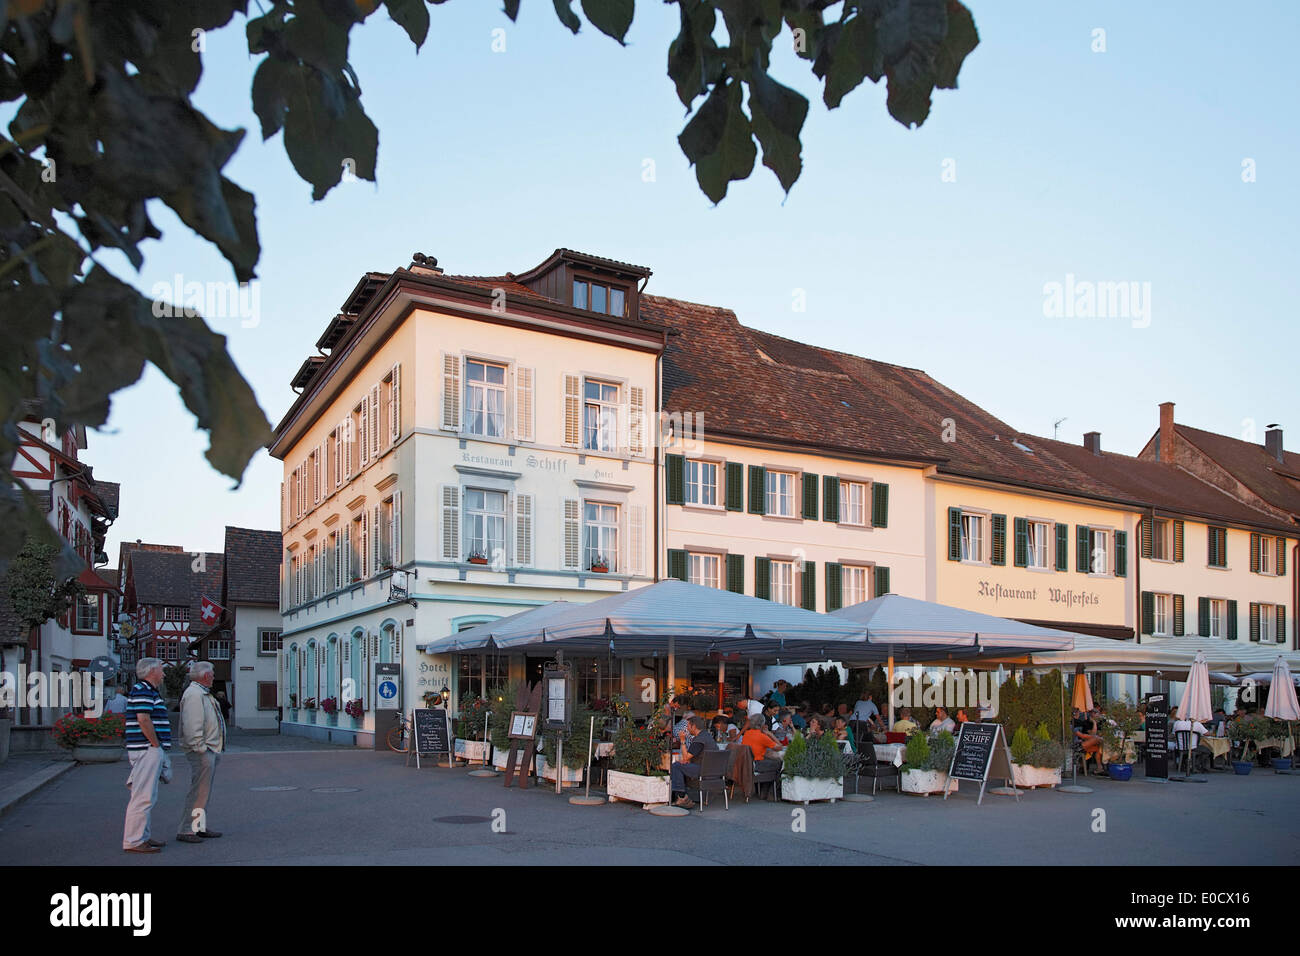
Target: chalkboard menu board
[
  {"x": 974, "y": 751},
  {"x": 1157, "y": 743},
  {"x": 432, "y": 734}
]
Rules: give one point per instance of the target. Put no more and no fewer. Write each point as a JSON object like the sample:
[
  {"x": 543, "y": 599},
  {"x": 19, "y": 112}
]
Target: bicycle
[{"x": 400, "y": 737}]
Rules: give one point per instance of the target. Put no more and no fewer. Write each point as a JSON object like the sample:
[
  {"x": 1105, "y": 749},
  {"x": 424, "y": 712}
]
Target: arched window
[
  {"x": 293, "y": 667},
  {"x": 356, "y": 652},
  {"x": 312, "y": 673},
  {"x": 329, "y": 687}
]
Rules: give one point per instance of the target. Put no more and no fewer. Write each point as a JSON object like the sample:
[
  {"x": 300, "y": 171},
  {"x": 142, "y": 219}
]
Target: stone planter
[
  {"x": 923, "y": 781},
  {"x": 499, "y": 758},
  {"x": 637, "y": 788},
  {"x": 99, "y": 751},
  {"x": 472, "y": 751},
  {"x": 1026, "y": 776},
  {"x": 545, "y": 771},
  {"x": 804, "y": 789}
]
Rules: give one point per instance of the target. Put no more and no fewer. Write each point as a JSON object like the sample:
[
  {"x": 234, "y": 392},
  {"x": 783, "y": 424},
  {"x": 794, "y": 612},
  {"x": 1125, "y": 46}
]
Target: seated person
[
  {"x": 816, "y": 727},
  {"x": 843, "y": 711},
  {"x": 719, "y": 727},
  {"x": 799, "y": 719},
  {"x": 905, "y": 724},
  {"x": 866, "y": 710},
  {"x": 1201, "y": 754},
  {"x": 688, "y": 768},
  {"x": 784, "y": 730},
  {"x": 680, "y": 730},
  {"x": 844, "y": 732},
  {"x": 760, "y": 740},
  {"x": 1085, "y": 730},
  {"x": 961, "y": 717},
  {"x": 942, "y": 721}
]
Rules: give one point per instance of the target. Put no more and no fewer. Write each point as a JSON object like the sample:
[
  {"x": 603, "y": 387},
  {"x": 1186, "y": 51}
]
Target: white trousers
[{"x": 146, "y": 766}]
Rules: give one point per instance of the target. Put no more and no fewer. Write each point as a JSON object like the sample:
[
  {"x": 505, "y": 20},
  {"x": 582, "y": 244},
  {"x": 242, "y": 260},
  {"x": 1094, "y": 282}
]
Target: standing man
[
  {"x": 203, "y": 738},
  {"x": 148, "y": 739}
]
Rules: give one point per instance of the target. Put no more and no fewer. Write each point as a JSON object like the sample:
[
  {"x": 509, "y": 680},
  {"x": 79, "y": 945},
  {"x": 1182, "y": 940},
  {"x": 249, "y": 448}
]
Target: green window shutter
[
  {"x": 1179, "y": 607},
  {"x": 1281, "y": 623},
  {"x": 1022, "y": 543},
  {"x": 1254, "y": 621},
  {"x": 735, "y": 486},
  {"x": 1083, "y": 549},
  {"x": 763, "y": 578},
  {"x": 830, "y": 498},
  {"x": 677, "y": 564},
  {"x": 1178, "y": 541},
  {"x": 809, "y": 496},
  {"x": 1212, "y": 557},
  {"x": 999, "y": 525},
  {"x": 675, "y": 479},
  {"x": 1148, "y": 612},
  {"x": 954, "y": 534},
  {"x": 757, "y": 490},
  {"x": 834, "y": 586},
  {"x": 1121, "y": 554},
  {"x": 1281, "y": 557},
  {"x": 1254, "y": 553},
  {"x": 1146, "y": 537},
  {"x": 1203, "y": 616},
  {"x": 736, "y": 573},
  {"x": 808, "y": 581},
  {"x": 882, "y": 581},
  {"x": 1232, "y": 620},
  {"x": 1062, "y": 547},
  {"x": 879, "y": 505}
]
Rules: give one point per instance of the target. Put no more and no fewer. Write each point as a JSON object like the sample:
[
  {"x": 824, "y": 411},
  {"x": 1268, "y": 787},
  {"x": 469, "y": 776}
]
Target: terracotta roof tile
[{"x": 1252, "y": 465}]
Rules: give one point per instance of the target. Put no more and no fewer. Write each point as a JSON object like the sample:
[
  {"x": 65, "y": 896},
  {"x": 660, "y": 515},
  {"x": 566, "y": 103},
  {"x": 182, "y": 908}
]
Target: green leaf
[
  {"x": 412, "y": 16},
  {"x": 848, "y": 56},
  {"x": 270, "y": 101},
  {"x": 778, "y": 116},
  {"x": 564, "y": 10},
  {"x": 316, "y": 38},
  {"x": 718, "y": 141},
  {"x": 325, "y": 127},
  {"x": 512, "y": 9},
  {"x": 611, "y": 17},
  {"x": 694, "y": 61},
  {"x": 962, "y": 38}
]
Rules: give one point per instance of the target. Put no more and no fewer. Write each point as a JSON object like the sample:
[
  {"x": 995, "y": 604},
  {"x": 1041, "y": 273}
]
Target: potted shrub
[
  {"x": 812, "y": 770},
  {"x": 92, "y": 739},
  {"x": 1117, "y": 728},
  {"x": 925, "y": 769},
  {"x": 575, "y": 748},
  {"x": 469, "y": 729},
  {"x": 1036, "y": 760},
  {"x": 637, "y": 773},
  {"x": 330, "y": 706},
  {"x": 1252, "y": 729}
]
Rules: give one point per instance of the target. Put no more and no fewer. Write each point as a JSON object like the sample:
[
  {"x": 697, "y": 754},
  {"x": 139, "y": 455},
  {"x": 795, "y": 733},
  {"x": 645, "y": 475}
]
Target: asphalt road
[{"x": 392, "y": 817}]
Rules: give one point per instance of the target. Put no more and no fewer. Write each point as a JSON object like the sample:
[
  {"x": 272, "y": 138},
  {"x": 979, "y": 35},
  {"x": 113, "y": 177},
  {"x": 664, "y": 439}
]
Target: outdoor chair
[
  {"x": 869, "y": 766},
  {"x": 1184, "y": 758},
  {"x": 714, "y": 765},
  {"x": 771, "y": 777}
]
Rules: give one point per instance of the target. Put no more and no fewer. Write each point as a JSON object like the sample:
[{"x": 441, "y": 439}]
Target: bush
[
  {"x": 1119, "y": 724},
  {"x": 469, "y": 717},
  {"x": 917, "y": 756},
  {"x": 1021, "y": 746},
  {"x": 640, "y": 750},
  {"x": 1029, "y": 700},
  {"x": 575, "y": 739},
  {"x": 816, "y": 759},
  {"x": 70, "y": 729},
  {"x": 942, "y": 745},
  {"x": 1045, "y": 753}
]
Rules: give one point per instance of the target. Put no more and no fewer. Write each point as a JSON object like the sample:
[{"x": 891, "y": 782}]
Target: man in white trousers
[
  {"x": 148, "y": 740},
  {"x": 203, "y": 738}
]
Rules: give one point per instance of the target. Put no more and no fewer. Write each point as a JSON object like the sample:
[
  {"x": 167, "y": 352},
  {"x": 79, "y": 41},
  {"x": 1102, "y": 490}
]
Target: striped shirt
[{"x": 144, "y": 699}]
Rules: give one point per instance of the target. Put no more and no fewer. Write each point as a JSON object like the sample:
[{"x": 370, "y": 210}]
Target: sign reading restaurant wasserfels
[{"x": 1067, "y": 597}]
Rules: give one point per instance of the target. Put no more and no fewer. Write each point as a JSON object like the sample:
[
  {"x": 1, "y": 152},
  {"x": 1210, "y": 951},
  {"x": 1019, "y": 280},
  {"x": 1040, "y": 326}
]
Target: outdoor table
[
  {"x": 1282, "y": 743},
  {"x": 603, "y": 750},
  {"x": 890, "y": 753}
]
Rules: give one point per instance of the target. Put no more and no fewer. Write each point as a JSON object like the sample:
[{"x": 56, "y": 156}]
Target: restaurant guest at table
[
  {"x": 844, "y": 732},
  {"x": 760, "y": 740},
  {"x": 778, "y": 693},
  {"x": 866, "y": 710},
  {"x": 905, "y": 724},
  {"x": 688, "y": 768},
  {"x": 785, "y": 727},
  {"x": 816, "y": 726},
  {"x": 1085, "y": 729},
  {"x": 800, "y": 717},
  {"x": 962, "y": 717},
  {"x": 942, "y": 721}
]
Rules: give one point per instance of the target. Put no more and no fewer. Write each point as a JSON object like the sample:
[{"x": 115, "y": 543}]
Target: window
[
  {"x": 853, "y": 503},
  {"x": 701, "y": 483},
  {"x": 332, "y": 568},
  {"x": 219, "y": 649},
  {"x": 176, "y": 614},
  {"x": 854, "y": 584},
  {"x": 485, "y": 399},
  {"x": 1160, "y": 546},
  {"x": 972, "y": 537},
  {"x": 268, "y": 695},
  {"x": 469, "y": 674},
  {"x": 1218, "y": 548},
  {"x": 782, "y": 582},
  {"x": 357, "y": 549},
  {"x": 705, "y": 569},
  {"x": 268, "y": 641},
  {"x": 781, "y": 494},
  {"x": 1218, "y": 616},
  {"x": 595, "y": 297},
  {"x": 1267, "y": 620},
  {"x": 1162, "y": 605},
  {"x": 385, "y": 533},
  {"x": 88, "y": 613},
  {"x": 599, "y": 416},
  {"x": 600, "y": 528},
  {"x": 1100, "y": 551},
  {"x": 1265, "y": 555},
  {"x": 485, "y": 524},
  {"x": 1039, "y": 553}
]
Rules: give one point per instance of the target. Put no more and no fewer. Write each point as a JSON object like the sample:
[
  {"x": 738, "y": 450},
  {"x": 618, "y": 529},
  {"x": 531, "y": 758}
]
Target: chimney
[
  {"x": 424, "y": 265},
  {"x": 1166, "y": 449},
  {"x": 1273, "y": 442},
  {"x": 1092, "y": 442}
]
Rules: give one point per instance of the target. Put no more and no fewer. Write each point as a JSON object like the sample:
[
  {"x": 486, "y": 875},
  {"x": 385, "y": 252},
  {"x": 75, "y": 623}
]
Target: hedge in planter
[
  {"x": 813, "y": 769},
  {"x": 575, "y": 740},
  {"x": 1036, "y": 760},
  {"x": 925, "y": 769}
]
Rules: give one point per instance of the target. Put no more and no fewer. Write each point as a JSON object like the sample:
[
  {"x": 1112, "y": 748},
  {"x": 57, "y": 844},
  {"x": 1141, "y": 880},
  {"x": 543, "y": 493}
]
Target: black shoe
[
  {"x": 188, "y": 838},
  {"x": 142, "y": 848},
  {"x": 209, "y": 834},
  {"x": 157, "y": 843}
]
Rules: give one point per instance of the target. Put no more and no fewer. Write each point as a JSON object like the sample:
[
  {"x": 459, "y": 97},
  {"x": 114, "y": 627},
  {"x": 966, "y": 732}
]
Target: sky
[{"x": 1056, "y": 162}]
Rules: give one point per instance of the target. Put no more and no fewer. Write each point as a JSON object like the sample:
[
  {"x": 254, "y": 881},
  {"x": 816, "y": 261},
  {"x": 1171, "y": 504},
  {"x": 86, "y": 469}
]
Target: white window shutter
[
  {"x": 395, "y": 405},
  {"x": 573, "y": 410},
  {"x": 636, "y": 539},
  {"x": 284, "y": 515},
  {"x": 397, "y": 528},
  {"x": 349, "y": 452},
  {"x": 374, "y": 421},
  {"x": 318, "y": 469},
  {"x": 338, "y": 456},
  {"x": 394, "y": 647},
  {"x": 572, "y": 537},
  {"x": 525, "y": 418},
  {"x": 636, "y": 420},
  {"x": 524, "y": 531},
  {"x": 451, "y": 392},
  {"x": 376, "y": 537},
  {"x": 364, "y": 429},
  {"x": 451, "y": 522},
  {"x": 345, "y": 564},
  {"x": 363, "y": 546}
]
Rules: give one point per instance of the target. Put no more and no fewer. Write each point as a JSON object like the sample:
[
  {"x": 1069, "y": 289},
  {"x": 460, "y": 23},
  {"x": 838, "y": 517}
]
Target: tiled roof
[
  {"x": 162, "y": 577},
  {"x": 507, "y": 283},
  {"x": 819, "y": 398},
  {"x": 1252, "y": 465},
  {"x": 108, "y": 576},
  {"x": 253, "y": 561},
  {"x": 108, "y": 492},
  {"x": 1166, "y": 486},
  {"x": 207, "y": 582}
]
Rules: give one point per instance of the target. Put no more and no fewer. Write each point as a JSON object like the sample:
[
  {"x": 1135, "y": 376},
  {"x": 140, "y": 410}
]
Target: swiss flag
[{"x": 210, "y": 611}]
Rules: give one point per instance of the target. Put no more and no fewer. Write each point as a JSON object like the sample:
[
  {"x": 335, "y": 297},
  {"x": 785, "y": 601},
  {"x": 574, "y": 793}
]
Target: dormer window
[{"x": 596, "y": 297}]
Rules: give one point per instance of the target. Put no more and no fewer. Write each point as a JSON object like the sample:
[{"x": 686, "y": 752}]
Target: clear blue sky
[{"x": 1115, "y": 166}]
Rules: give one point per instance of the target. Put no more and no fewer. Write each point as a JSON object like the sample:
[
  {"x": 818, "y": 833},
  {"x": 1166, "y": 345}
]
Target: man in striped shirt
[{"x": 148, "y": 739}]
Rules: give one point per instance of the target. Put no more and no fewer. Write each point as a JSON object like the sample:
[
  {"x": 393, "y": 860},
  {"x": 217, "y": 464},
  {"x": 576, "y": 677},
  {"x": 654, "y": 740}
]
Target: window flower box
[{"x": 477, "y": 557}]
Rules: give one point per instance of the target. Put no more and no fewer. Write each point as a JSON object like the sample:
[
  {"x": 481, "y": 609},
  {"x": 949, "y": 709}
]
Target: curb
[{"x": 11, "y": 796}]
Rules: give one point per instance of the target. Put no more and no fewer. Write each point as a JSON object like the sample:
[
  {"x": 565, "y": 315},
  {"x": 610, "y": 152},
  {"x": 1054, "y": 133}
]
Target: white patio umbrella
[
  {"x": 1282, "y": 703},
  {"x": 1195, "y": 704}
]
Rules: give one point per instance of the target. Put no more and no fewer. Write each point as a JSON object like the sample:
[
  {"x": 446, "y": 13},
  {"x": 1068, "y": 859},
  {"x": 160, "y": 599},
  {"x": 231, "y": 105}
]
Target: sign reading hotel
[{"x": 1069, "y": 597}]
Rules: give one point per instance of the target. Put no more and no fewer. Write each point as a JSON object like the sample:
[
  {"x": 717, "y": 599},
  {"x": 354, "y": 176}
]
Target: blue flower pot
[
  {"x": 1241, "y": 767},
  {"x": 1281, "y": 763},
  {"x": 1119, "y": 771}
]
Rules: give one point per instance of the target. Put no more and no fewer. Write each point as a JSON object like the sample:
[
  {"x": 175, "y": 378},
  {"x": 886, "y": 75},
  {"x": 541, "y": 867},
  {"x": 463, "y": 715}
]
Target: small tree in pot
[
  {"x": 813, "y": 769},
  {"x": 637, "y": 773},
  {"x": 1117, "y": 728}
]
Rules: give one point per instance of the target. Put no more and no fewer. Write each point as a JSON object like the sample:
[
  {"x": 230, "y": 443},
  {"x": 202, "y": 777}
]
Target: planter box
[
  {"x": 923, "y": 781},
  {"x": 99, "y": 751},
  {"x": 472, "y": 750},
  {"x": 1026, "y": 776},
  {"x": 499, "y": 758},
  {"x": 546, "y": 772},
  {"x": 803, "y": 789},
  {"x": 637, "y": 788}
]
